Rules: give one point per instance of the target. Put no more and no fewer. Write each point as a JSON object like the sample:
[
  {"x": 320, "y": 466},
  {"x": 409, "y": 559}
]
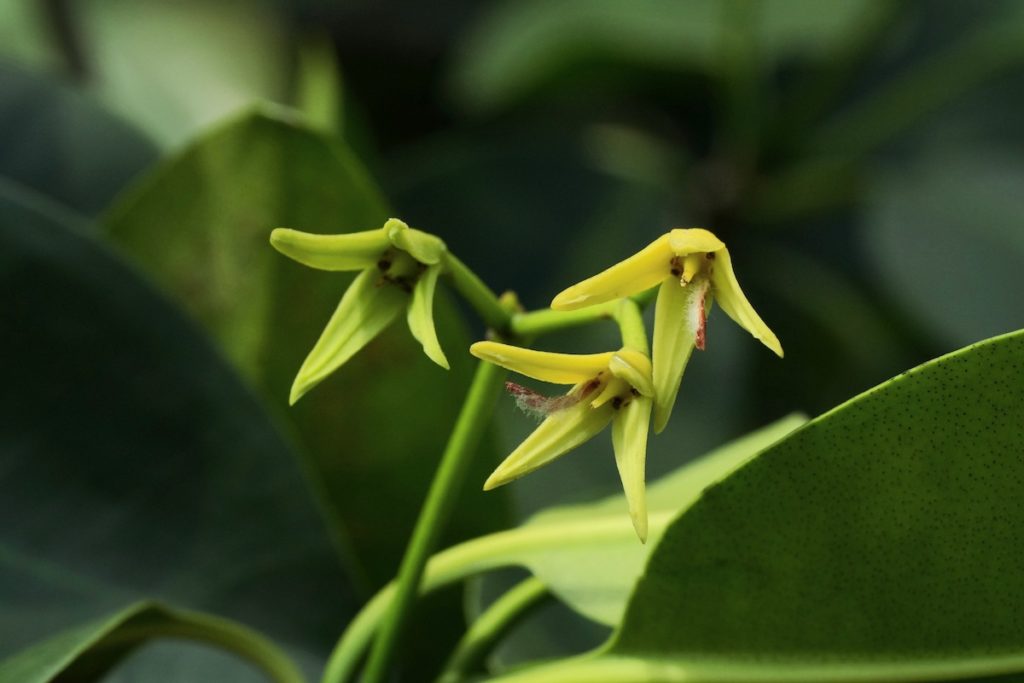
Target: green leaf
[
  {"x": 520, "y": 46},
  {"x": 63, "y": 146},
  {"x": 236, "y": 54},
  {"x": 880, "y": 542},
  {"x": 88, "y": 651},
  {"x": 134, "y": 461},
  {"x": 23, "y": 35}
]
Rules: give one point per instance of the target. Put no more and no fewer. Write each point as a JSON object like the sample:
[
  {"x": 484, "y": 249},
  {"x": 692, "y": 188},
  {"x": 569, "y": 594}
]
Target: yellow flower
[
  {"x": 693, "y": 268},
  {"x": 608, "y": 387},
  {"x": 400, "y": 267}
]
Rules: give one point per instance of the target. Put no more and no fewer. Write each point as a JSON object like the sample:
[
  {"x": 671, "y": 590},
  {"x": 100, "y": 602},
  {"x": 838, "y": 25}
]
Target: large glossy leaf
[
  {"x": 134, "y": 463},
  {"x": 62, "y": 145},
  {"x": 519, "y": 46},
  {"x": 86, "y": 652},
  {"x": 373, "y": 431},
  {"x": 883, "y": 541}
]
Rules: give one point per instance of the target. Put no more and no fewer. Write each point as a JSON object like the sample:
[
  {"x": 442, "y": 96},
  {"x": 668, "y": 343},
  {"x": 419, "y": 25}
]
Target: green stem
[
  {"x": 491, "y": 627},
  {"x": 624, "y": 668},
  {"x": 477, "y": 294},
  {"x": 441, "y": 499},
  {"x": 536, "y": 323},
  {"x": 473, "y": 557},
  {"x": 631, "y": 325}
]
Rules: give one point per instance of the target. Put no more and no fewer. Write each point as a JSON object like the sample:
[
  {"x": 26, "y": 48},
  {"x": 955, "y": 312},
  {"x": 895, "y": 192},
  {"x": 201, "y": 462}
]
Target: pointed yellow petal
[
  {"x": 727, "y": 292},
  {"x": 629, "y": 439},
  {"x": 635, "y": 368},
  {"x": 639, "y": 272},
  {"x": 675, "y": 332},
  {"x": 365, "y": 310},
  {"x": 422, "y": 246},
  {"x": 684, "y": 241},
  {"x": 558, "y": 434},
  {"x": 349, "y": 251},
  {"x": 421, "y": 316},
  {"x": 557, "y": 368}
]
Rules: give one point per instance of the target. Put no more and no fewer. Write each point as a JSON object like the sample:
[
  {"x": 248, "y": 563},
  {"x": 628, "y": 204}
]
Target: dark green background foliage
[{"x": 863, "y": 161}]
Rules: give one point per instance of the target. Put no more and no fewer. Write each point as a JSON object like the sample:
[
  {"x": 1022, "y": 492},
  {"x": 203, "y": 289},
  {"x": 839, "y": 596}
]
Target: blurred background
[{"x": 863, "y": 160}]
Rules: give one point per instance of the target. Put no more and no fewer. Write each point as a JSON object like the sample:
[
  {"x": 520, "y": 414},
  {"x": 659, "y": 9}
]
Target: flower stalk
[{"x": 441, "y": 498}]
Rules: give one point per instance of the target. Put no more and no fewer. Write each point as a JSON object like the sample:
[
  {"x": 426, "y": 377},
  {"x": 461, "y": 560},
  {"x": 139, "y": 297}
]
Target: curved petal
[
  {"x": 420, "y": 316},
  {"x": 685, "y": 241},
  {"x": 557, "y": 368},
  {"x": 365, "y": 309},
  {"x": 675, "y": 333},
  {"x": 629, "y": 439},
  {"x": 558, "y": 434},
  {"x": 639, "y": 272},
  {"x": 349, "y": 251},
  {"x": 727, "y": 293},
  {"x": 422, "y": 246},
  {"x": 633, "y": 367}
]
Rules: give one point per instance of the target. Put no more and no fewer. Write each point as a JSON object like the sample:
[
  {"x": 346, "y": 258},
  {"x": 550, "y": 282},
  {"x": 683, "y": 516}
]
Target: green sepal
[
  {"x": 420, "y": 316},
  {"x": 344, "y": 252},
  {"x": 422, "y": 246},
  {"x": 365, "y": 310},
  {"x": 635, "y": 368},
  {"x": 558, "y": 434},
  {"x": 673, "y": 343},
  {"x": 629, "y": 440}
]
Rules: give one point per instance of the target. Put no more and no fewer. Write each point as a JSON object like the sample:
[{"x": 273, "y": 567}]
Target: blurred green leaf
[
  {"x": 23, "y": 36},
  {"x": 880, "y": 542},
  {"x": 373, "y": 431},
  {"x": 518, "y": 47},
  {"x": 62, "y": 145},
  {"x": 176, "y": 67},
  {"x": 134, "y": 463},
  {"x": 944, "y": 232},
  {"x": 88, "y": 651}
]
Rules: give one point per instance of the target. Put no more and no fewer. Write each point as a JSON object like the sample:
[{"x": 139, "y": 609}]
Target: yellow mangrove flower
[
  {"x": 693, "y": 268},
  {"x": 613, "y": 387},
  {"x": 400, "y": 267}
]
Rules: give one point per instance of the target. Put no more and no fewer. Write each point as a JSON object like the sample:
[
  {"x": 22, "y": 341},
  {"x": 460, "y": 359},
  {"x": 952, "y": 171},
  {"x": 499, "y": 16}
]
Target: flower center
[
  {"x": 399, "y": 268},
  {"x": 690, "y": 267}
]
